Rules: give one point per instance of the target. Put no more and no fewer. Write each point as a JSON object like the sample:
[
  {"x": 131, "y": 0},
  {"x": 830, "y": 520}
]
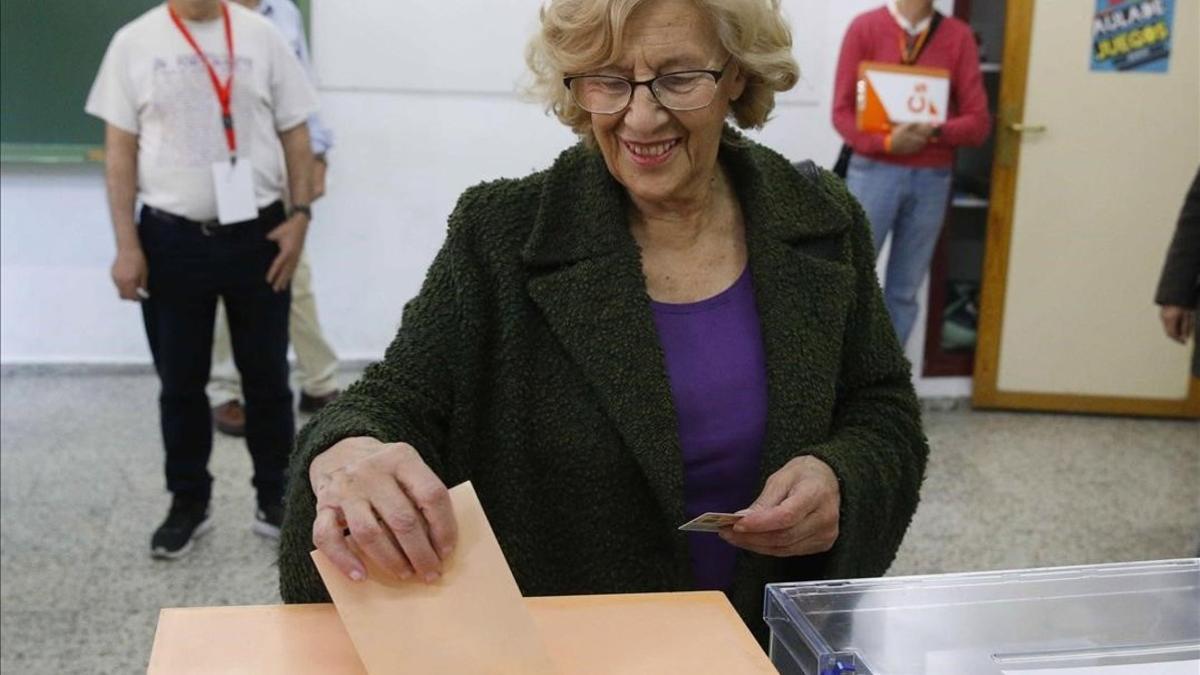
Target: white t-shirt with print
[{"x": 152, "y": 83}]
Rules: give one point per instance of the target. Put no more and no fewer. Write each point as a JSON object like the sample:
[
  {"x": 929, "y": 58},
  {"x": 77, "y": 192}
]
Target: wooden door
[{"x": 1091, "y": 170}]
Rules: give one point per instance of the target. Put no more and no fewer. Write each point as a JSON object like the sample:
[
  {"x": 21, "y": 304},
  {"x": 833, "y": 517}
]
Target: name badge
[{"x": 234, "y": 184}]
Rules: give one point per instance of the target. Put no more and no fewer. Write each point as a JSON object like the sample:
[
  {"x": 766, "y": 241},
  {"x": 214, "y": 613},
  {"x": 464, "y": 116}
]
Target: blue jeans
[
  {"x": 189, "y": 269},
  {"x": 910, "y": 203}
]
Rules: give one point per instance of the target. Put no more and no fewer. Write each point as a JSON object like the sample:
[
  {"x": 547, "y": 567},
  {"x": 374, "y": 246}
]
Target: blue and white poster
[{"x": 1132, "y": 35}]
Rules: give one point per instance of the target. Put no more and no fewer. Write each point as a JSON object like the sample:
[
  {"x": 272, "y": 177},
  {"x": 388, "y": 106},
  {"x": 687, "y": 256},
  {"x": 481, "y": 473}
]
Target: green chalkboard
[{"x": 49, "y": 53}]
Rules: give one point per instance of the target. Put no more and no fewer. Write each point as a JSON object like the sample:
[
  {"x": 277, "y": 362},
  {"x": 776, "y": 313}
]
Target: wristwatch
[{"x": 302, "y": 208}]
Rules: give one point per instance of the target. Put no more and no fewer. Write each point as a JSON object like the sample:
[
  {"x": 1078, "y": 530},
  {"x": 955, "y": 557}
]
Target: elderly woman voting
[{"x": 670, "y": 320}]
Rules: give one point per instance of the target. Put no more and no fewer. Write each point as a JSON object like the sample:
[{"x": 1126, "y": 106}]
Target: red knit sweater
[{"x": 874, "y": 36}]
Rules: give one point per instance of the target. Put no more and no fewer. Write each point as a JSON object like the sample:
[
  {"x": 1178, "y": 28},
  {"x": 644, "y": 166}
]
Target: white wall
[
  {"x": 422, "y": 99},
  {"x": 56, "y": 300}
]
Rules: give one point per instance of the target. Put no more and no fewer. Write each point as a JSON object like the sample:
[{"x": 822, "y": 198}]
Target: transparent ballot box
[{"x": 1141, "y": 617}]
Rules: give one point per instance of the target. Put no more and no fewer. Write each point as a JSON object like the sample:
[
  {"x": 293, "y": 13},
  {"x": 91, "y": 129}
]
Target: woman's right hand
[{"x": 384, "y": 498}]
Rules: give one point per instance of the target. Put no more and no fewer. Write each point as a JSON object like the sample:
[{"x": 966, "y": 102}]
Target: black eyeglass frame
[{"x": 649, "y": 84}]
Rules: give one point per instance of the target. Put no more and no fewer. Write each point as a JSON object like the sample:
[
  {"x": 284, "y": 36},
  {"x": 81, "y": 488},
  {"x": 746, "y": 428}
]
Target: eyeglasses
[{"x": 609, "y": 94}]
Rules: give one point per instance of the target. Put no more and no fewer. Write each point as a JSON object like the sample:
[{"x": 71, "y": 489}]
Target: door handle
[{"x": 1031, "y": 128}]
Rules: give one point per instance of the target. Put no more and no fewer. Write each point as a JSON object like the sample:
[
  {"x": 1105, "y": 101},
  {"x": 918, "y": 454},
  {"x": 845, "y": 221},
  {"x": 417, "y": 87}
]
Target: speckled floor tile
[{"x": 81, "y": 487}]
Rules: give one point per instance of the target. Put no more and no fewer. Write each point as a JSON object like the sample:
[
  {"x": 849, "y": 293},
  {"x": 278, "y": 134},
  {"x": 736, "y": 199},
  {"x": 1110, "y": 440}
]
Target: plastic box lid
[{"x": 1117, "y": 616}]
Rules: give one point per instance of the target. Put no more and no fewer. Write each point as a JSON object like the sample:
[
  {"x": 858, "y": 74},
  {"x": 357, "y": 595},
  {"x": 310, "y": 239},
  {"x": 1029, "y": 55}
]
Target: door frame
[{"x": 1018, "y": 26}]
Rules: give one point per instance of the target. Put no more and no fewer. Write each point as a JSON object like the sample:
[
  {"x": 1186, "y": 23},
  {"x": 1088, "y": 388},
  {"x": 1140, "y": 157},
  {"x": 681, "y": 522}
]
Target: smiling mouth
[{"x": 650, "y": 150}]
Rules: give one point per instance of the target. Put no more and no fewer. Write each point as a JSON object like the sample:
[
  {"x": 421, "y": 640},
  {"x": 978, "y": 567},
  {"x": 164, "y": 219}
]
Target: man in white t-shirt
[{"x": 209, "y": 153}]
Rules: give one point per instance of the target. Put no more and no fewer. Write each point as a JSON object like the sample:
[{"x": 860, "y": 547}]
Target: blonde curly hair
[{"x": 578, "y": 36}]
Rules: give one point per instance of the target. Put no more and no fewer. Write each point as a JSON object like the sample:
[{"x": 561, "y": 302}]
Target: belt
[{"x": 214, "y": 226}]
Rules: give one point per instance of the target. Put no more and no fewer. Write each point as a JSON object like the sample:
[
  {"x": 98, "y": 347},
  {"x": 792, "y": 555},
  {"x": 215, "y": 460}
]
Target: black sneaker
[
  {"x": 186, "y": 522},
  {"x": 267, "y": 521}
]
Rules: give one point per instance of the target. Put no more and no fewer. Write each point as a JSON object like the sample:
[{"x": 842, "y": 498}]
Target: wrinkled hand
[
  {"x": 318, "y": 179},
  {"x": 796, "y": 514},
  {"x": 911, "y": 138},
  {"x": 1178, "y": 322},
  {"x": 289, "y": 235},
  {"x": 395, "y": 509},
  {"x": 129, "y": 274}
]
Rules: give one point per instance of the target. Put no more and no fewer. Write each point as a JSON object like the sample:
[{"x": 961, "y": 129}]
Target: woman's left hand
[{"x": 796, "y": 514}]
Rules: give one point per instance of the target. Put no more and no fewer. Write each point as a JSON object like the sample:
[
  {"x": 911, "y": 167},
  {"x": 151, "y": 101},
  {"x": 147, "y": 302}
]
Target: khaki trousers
[{"x": 316, "y": 363}]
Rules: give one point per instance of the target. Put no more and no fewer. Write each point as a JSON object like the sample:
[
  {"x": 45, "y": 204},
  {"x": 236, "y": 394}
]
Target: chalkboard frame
[{"x": 76, "y": 153}]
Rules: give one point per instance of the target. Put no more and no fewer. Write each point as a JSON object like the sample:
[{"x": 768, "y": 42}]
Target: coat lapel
[
  {"x": 795, "y": 241},
  {"x": 794, "y": 237},
  {"x": 802, "y": 306},
  {"x": 586, "y": 278}
]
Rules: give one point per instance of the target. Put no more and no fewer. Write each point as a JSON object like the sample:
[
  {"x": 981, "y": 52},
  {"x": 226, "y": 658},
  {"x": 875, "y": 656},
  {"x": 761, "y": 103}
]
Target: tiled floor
[{"x": 80, "y": 465}]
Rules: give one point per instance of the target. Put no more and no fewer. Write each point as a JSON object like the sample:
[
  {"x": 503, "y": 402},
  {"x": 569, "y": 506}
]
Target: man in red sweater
[{"x": 902, "y": 178}]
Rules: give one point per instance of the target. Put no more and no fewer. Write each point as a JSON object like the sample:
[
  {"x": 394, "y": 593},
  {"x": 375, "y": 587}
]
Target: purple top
[{"x": 718, "y": 373}]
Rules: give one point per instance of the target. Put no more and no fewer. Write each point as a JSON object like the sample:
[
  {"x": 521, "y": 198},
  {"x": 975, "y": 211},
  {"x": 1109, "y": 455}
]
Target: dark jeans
[{"x": 190, "y": 266}]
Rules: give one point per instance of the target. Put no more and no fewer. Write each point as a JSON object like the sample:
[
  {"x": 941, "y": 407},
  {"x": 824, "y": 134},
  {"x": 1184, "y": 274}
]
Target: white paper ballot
[
  {"x": 234, "y": 185},
  {"x": 1185, "y": 667}
]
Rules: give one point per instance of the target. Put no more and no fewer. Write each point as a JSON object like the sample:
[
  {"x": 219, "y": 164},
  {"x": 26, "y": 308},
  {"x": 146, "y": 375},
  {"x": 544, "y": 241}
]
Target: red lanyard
[{"x": 224, "y": 92}]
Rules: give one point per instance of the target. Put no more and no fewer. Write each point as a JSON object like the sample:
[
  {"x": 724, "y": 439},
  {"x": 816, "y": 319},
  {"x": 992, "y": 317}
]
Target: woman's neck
[{"x": 679, "y": 224}]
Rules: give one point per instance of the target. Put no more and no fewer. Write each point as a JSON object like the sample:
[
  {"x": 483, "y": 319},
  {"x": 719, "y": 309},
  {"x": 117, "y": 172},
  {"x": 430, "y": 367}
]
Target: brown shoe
[
  {"x": 311, "y": 404},
  {"x": 230, "y": 418}
]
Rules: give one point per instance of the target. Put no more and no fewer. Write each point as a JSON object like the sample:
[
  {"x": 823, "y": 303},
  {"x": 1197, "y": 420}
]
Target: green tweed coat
[{"x": 529, "y": 364}]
